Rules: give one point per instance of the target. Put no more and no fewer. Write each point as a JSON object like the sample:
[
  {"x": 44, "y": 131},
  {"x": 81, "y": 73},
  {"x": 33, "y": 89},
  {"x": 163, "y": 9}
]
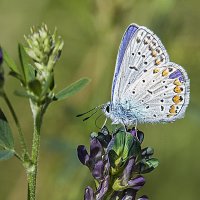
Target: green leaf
[
  {"x": 148, "y": 165},
  {"x": 10, "y": 62},
  {"x": 6, "y": 138},
  {"x": 72, "y": 89},
  {"x": 6, "y": 154},
  {"x": 124, "y": 146},
  {"x": 153, "y": 162},
  {"x": 17, "y": 76},
  {"x": 27, "y": 68},
  {"x": 22, "y": 94}
]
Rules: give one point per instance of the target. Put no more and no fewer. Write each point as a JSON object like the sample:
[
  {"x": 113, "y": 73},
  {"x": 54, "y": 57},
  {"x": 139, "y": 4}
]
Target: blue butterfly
[{"x": 147, "y": 87}]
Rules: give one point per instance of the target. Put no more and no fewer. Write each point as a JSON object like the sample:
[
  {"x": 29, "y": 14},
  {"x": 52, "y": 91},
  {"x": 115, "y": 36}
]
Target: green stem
[
  {"x": 21, "y": 136},
  {"x": 32, "y": 169}
]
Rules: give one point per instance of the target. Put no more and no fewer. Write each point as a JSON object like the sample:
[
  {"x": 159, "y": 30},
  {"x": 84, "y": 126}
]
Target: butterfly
[{"x": 147, "y": 87}]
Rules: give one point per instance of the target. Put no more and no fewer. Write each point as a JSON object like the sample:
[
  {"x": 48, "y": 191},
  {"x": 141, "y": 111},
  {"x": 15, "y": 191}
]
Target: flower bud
[{"x": 44, "y": 49}]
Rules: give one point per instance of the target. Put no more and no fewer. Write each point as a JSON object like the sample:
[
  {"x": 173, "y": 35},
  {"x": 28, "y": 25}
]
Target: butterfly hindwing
[{"x": 161, "y": 94}]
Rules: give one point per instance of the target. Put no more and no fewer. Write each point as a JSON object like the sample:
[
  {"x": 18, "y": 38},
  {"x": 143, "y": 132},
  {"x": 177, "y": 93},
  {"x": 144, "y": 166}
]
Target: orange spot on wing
[
  {"x": 158, "y": 61},
  {"x": 177, "y": 99},
  {"x": 177, "y": 82},
  {"x": 178, "y": 89},
  {"x": 172, "y": 109},
  {"x": 154, "y": 53},
  {"x": 165, "y": 72}
]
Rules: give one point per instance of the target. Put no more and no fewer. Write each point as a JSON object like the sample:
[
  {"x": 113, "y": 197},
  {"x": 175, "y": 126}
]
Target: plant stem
[
  {"x": 21, "y": 136},
  {"x": 32, "y": 169}
]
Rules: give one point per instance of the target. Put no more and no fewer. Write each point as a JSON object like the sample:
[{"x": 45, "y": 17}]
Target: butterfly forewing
[{"x": 144, "y": 50}]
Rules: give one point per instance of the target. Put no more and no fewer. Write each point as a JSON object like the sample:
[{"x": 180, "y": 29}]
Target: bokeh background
[{"x": 92, "y": 30}]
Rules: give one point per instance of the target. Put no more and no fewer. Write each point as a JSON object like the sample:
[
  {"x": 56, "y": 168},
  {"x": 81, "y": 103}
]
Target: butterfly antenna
[
  {"x": 97, "y": 109},
  {"x": 79, "y": 115}
]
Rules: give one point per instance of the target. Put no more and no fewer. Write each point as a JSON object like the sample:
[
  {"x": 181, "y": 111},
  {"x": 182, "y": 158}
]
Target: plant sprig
[{"x": 38, "y": 58}]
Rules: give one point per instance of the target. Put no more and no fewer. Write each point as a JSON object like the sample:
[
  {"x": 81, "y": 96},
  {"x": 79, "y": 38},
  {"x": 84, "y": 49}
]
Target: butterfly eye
[{"x": 108, "y": 109}]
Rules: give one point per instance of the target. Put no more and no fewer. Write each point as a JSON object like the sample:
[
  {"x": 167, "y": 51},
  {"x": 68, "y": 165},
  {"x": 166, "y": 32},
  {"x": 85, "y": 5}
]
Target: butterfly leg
[{"x": 104, "y": 122}]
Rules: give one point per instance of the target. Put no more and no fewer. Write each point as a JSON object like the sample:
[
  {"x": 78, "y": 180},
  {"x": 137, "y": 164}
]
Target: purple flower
[
  {"x": 94, "y": 161},
  {"x": 144, "y": 197},
  {"x": 89, "y": 194},
  {"x": 116, "y": 161}
]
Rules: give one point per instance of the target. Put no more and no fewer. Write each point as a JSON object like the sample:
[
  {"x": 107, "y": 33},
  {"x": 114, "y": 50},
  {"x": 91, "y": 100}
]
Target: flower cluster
[
  {"x": 116, "y": 161},
  {"x": 45, "y": 50}
]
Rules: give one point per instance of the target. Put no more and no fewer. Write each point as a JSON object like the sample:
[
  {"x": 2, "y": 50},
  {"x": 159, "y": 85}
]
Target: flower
[
  {"x": 44, "y": 49},
  {"x": 116, "y": 162}
]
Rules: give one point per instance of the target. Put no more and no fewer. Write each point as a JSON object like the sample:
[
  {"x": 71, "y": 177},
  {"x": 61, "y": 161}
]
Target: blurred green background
[{"x": 92, "y": 30}]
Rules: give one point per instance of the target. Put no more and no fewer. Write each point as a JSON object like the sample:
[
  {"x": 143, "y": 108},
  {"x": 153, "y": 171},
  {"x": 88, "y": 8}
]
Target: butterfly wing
[
  {"x": 160, "y": 94},
  {"x": 139, "y": 50},
  {"x": 128, "y": 35},
  {"x": 139, "y": 83}
]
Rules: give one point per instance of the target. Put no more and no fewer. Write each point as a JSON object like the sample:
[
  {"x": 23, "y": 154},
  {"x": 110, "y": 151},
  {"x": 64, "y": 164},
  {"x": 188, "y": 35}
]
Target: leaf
[
  {"x": 153, "y": 162},
  {"x": 10, "y": 62},
  {"x": 126, "y": 145},
  {"x": 72, "y": 89},
  {"x": 17, "y": 76},
  {"x": 22, "y": 94},
  {"x": 6, "y": 154},
  {"x": 6, "y": 138},
  {"x": 148, "y": 165},
  {"x": 27, "y": 68},
  {"x": 122, "y": 147}
]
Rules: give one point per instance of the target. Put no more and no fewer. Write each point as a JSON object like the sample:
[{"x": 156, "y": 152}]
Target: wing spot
[
  {"x": 166, "y": 86},
  {"x": 133, "y": 92},
  {"x": 154, "y": 115},
  {"x": 162, "y": 100},
  {"x": 145, "y": 63},
  {"x": 156, "y": 70},
  {"x": 177, "y": 99},
  {"x": 139, "y": 53},
  {"x": 143, "y": 81},
  {"x": 143, "y": 56},
  {"x": 133, "y": 67},
  {"x": 162, "y": 108},
  {"x": 145, "y": 70},
  {"x": 133, "y": 54},
  {"x": 147, "y": 107},
  {"x": 178, "y": 89},
  {"x": 170, "y": 69}
]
